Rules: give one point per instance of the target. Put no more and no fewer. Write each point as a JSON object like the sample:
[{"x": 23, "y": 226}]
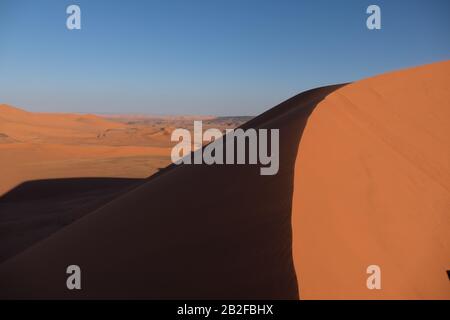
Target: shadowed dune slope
[
  {"x": 372, "y": 184},
  {"x": 189, "y": 232},
  {"x": 36, "y": 209}
]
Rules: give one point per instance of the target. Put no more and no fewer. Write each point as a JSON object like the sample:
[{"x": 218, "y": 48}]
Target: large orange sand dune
[
  {"x": 363, "y": 180},
  {"x": 372, "y": 186}
]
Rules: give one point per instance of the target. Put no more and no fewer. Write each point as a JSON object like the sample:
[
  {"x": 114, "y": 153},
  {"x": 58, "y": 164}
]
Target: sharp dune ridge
[{"x": 363, "y": 179}]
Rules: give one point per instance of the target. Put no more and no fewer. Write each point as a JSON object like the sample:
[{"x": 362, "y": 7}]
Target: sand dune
[
  {"x": 363, "y": 179},
  {"x": 372, "y": 184},
  {"x": 191, "y": 231}
]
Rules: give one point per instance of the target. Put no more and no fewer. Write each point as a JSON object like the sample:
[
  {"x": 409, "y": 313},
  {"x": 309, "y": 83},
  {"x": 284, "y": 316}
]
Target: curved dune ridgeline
[
  {"x": 192, "y": 231},
  {"x": 364, "y": 179}
]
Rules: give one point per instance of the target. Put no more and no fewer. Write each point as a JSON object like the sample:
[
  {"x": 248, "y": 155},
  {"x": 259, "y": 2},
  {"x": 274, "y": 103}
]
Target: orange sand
[{"x": 372, "y": 186}]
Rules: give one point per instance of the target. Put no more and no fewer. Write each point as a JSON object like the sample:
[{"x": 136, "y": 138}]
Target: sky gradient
[{"x": 210, "y": 57}]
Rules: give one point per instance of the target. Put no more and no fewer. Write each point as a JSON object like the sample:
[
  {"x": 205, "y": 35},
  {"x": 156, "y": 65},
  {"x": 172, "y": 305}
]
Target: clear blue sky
[{"x": 220, "y": 57}]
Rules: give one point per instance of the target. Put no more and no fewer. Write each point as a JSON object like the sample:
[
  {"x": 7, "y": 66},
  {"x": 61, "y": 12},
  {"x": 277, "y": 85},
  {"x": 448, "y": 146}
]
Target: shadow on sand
[{"x": 35, "y": 209}]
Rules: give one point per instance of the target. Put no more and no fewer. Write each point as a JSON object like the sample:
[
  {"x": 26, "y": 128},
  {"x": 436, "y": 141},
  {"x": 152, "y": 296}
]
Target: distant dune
[
  {"x": 364, "y": 179},
  {"x": 50, "y": 145}
]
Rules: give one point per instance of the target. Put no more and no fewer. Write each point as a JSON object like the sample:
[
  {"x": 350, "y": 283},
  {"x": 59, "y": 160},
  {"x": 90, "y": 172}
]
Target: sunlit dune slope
[{"x": 372, "y": 187}]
